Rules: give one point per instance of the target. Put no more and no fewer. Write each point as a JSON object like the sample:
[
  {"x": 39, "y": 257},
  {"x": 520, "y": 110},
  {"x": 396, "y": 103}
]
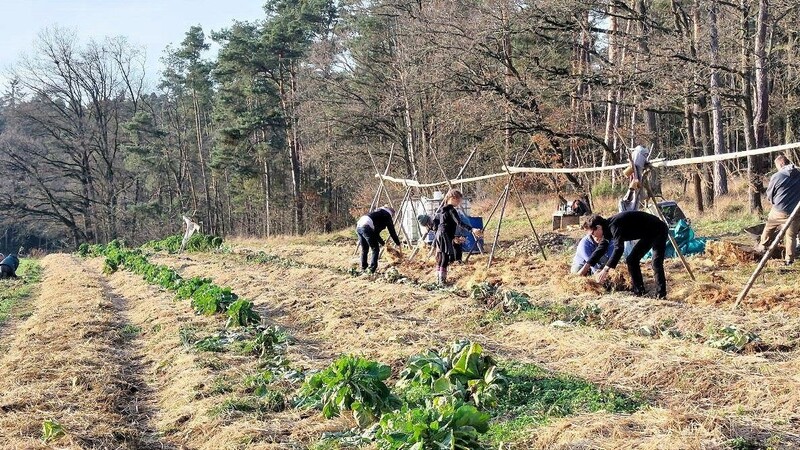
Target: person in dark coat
[
  {"x": 9, "y": 266},
  {"x": 651, "y": 233},
  {"x": 369, "y": 228},
  {"x": 446, "y": 222}
]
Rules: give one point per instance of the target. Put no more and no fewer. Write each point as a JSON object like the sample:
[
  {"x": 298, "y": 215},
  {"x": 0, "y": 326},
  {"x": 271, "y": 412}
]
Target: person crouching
[
  {"x": 369, "y": 228},
  {"x": 586, "y": 247},
  {"x": 9, "y": 266},
  {"x": 650, "y": 232}
]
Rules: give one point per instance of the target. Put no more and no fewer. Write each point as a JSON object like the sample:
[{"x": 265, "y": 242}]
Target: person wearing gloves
[
  {"x": 369, "y": 228},
  {"x": 446, "y": 222},
  {"x": 650, "y": 232},
  {"x": 783, "y": 192}
]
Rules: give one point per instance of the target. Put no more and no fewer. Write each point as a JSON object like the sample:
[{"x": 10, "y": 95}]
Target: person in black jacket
[
  {"x": 9, "y": 266},
  {"x": 651, "y": 233},
  {"x": 446, "y": 222},
  {"x": 369, "y": 229}
]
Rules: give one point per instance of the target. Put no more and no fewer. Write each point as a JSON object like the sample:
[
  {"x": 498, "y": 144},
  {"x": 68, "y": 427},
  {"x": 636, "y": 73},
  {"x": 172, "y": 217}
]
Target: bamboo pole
[
  {"x": 669, "y": 235},
  {"x": 530, "y": 221},
  {"x": 524, "y": 208},
  {"x": 376, "y": 198},
  {"x": 766, "y": 257},
  {"x": 499, "y": 224}
]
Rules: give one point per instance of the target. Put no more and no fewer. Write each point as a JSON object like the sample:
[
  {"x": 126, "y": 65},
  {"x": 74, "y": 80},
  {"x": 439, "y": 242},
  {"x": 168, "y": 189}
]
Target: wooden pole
[
  {"x": 376, "y": 198},
  {"x": 499, "y": 224},
  {"x": 671, "y": 238},
  {"x": 766, "y": 257},
  {"x": 530, "y": 221},
  {"x": 524, "y": 208}
]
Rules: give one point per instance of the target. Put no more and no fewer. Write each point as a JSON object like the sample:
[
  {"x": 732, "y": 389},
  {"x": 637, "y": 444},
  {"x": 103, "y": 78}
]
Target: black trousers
[
  {"x": 443, "y": 261},
  {"x": 368, "y": 239},
  {"x": 7, "y": 272},
  {"x": 658, "y": 243}
]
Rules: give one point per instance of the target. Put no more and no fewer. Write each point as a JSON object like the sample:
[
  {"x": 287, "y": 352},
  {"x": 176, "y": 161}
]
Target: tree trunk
[
  {"x": 720, "y": 176},
  {"x": 696, "y": 151},
  {"x": 754, "y": 180}
]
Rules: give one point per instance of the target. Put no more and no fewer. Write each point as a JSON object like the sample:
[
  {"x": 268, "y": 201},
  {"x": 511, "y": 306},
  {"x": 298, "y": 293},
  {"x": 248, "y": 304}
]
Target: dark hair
[
  {"x": 782, "y": 160},
  {"x": 592, "y": 221}
]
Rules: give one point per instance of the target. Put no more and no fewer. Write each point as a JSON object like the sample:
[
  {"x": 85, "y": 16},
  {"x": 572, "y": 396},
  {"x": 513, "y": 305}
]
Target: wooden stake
[
  {"x": 671, "y": 238},
  {"x": 766, "y": 257},
  {"x": 530, "y": 221},
  {"x": 499, "y": 224}
]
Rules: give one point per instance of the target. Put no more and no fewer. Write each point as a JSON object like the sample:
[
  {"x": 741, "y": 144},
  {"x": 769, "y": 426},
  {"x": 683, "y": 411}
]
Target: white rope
[
  {"x": 414, "y": 183},
  {"x": 655, "y": 163},
  {"x": 663, "y": 162}
]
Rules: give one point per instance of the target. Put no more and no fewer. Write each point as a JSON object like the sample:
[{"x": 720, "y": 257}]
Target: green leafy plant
[
  {"x": 188, "y": 287},
  {"x": 733, "y": 339},
  {"x": 209, "y": 299},
  {"x": 441, "y": 425},
  {"x": 351, "y": 383},
  {"x": 515, "y": 302},
  {"x": 266, "y": 342},
  {"x": 51, "y": 430},
  {"x": 483, "y": 291},
  {"x": 210, "y": 344},
  {"x": 240, "y": 314},
  {"x": 460, "y": 371},
  {"x": 199, "y": 242}
]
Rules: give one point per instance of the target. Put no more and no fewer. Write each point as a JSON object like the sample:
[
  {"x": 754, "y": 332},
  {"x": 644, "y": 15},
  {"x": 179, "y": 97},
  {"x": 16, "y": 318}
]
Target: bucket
[{"x": 471, "y": 246}]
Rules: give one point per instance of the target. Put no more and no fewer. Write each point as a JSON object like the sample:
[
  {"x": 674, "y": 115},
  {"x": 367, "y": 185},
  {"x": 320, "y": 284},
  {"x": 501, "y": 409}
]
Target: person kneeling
[
  {"x": 650, "y": 232},
  {"x": 9, "y": 266},
  {"x": 586, "y": 247}
]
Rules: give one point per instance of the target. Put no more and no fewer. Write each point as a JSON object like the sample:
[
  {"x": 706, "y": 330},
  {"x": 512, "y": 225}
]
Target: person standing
[
  {"x": 783, "y": 192},
  {"x": 369, "y": 228},
  {"x": 650, "y": 232},
  {"x": 445, "y": 222}
]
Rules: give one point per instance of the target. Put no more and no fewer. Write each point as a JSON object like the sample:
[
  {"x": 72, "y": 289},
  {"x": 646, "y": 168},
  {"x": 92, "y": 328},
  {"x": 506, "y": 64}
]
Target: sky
[{"x": 152, "y": 24}]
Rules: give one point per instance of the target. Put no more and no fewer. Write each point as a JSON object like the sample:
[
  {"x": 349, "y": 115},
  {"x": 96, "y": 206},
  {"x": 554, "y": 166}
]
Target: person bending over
[
  {"x": 650, "y": 232},
  {"x": 369, "y": 228},
  {"x": 9, "y": 266}
]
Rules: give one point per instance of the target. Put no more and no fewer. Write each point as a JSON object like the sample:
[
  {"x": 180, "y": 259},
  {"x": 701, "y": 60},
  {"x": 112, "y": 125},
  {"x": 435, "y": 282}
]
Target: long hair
[{"x": 453, "y": 193}]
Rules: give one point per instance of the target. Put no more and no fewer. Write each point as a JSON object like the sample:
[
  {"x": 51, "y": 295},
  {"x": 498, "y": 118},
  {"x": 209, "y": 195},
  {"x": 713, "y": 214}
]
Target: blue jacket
[
  {"x": 10, "y": 261},
  {"x": 587, "y": 246}
]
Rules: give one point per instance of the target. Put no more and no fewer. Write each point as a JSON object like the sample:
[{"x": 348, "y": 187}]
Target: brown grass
[
  {"x": 65, "y": 364},
  {"x": 693, "y": 383}
]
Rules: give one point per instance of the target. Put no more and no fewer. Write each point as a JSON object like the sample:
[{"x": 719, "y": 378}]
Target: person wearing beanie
[{"x": 369, "y": 228}]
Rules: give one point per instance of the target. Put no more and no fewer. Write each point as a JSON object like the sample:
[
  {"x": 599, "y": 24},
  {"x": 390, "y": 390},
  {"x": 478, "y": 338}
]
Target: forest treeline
[{"x": 282, "y": 130}]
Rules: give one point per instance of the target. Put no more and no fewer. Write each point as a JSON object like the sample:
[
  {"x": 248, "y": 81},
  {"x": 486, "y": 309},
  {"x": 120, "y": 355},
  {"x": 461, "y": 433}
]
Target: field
[{"x": 95, "y": 356}]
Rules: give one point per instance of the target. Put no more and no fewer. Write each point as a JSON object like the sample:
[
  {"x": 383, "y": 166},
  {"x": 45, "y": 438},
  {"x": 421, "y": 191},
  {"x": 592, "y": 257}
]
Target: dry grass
[
  {"x": 65, "y": 364},
  {"x": 693, "y": 383}
]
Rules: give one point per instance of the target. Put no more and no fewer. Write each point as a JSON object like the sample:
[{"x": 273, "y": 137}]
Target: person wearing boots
[
  {"x": 783, "y": 192},
  {"x": 445, "y": 222},
  {"x": 369, "y": 228},
  {"x": 650, "y": 232}
]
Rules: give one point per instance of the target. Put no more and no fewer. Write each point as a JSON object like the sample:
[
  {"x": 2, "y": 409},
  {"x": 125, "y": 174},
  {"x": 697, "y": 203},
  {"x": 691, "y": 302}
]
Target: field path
[
  {"x": 70, "y": 363},
  {"x": 701, "y": 394}
]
